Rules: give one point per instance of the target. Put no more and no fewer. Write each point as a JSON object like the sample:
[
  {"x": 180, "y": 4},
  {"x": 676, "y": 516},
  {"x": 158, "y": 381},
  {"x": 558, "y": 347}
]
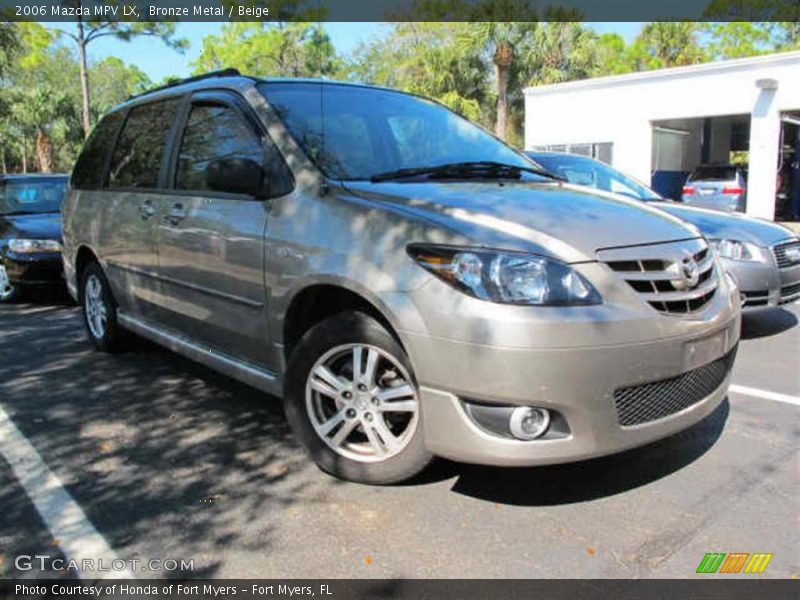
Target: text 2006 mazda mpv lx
[{"x": 408, "y": 283}]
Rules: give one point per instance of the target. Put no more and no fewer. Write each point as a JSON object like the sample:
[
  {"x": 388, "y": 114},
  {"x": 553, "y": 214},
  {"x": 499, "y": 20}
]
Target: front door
[{"x": 211, "y": 243}]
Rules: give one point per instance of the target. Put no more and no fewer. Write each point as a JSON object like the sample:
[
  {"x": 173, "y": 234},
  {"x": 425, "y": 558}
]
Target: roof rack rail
[{"x": 230, "y": 72}]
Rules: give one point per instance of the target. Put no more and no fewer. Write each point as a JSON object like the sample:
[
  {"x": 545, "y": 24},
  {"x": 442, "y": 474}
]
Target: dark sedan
[{"x": 30, "y": 232}]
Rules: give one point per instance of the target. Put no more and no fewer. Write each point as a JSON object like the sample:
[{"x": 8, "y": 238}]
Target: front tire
[
  {"x": 352, "y": 399},
  {"x": 100, "y": 311}
]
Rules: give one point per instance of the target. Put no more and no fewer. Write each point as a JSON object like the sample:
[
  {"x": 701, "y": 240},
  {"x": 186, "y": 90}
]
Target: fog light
[{"x": 528, "y": 423}]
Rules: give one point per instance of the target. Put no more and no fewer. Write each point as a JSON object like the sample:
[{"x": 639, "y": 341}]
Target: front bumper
[
  {"x": 763, "y": 285},
  {"x": 579, "y": 384},
  {"x": 34, "y": 269},
  {"x": 571, "y": 361}
]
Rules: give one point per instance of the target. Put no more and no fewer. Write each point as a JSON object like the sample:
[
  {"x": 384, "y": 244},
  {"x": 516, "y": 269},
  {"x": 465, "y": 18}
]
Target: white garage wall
[{"x": 620, "y": 109}]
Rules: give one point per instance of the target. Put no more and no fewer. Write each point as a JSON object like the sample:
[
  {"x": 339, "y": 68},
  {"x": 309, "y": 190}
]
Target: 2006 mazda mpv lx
[{"x": 409, "y": 284}]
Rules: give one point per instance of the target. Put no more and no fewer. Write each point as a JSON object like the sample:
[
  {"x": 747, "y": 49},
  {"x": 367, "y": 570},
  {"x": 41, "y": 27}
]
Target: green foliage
[
  {"x": 9, "y": 45},
  {"x": 40, "y": 99},
  {"x": 738, "y": 39},
  {"x": 425, "y": 59},
  {"x": 753, "y": 27},
  {"x": 560, "y": 51},
  {"x": 268, "y": 49},
  {"x": 667, "y": 44},
  {"x": 611, "y": 56},
  {"x": 112, "y": 82}
]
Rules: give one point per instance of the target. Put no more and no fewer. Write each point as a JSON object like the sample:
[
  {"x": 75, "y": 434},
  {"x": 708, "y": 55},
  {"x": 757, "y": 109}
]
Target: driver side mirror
[{"x": 236, "y": 176}]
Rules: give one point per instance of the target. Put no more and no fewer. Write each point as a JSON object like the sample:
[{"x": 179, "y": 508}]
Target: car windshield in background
[
  {"x": 39, "y": 195},
  {"x": 357, "y": 133},
  {"x": 593, "y": 173},
  {"x": 713, "y": 174}
]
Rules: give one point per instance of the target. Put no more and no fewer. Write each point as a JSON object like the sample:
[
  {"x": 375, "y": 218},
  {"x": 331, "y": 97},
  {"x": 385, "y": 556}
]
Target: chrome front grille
[
  {"x": 790, "y": 293},
  {"x": 787, "y": 254},
  {"x": 676, "y": 278},
  {"x": 652, "y": 401},
  {"x": 754, "y": 299}
]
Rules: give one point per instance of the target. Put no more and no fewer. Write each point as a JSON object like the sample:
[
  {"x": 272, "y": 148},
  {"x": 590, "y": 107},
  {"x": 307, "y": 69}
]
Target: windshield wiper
[{"x": 476, "y": 169}]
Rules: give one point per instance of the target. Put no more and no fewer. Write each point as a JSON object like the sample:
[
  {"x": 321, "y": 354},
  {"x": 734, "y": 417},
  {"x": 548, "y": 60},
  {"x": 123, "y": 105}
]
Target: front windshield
[
  {"x": 35, "y": 195},
  {"x": 356, "y": 133},
  {"x": 593, "y": 173}
]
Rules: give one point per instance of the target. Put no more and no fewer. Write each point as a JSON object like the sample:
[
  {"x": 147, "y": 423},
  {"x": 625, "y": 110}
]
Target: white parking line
[
  {"x": 765, "y": 394},
  {"x": 72, "y": 530}
]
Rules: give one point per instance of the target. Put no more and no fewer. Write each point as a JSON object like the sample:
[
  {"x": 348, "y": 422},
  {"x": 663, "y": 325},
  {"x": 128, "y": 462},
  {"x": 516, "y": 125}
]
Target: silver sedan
[{"x": 762, "y": 255}]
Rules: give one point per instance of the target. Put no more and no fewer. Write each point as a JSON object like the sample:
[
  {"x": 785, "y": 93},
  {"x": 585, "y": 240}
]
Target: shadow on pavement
[
  {"x": 767, "y": 323},
  {"x": 148, "y": 442}
]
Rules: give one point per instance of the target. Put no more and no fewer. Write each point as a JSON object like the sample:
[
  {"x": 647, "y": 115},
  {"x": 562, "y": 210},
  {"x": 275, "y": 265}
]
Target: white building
[{"x": 659, "y": 125}]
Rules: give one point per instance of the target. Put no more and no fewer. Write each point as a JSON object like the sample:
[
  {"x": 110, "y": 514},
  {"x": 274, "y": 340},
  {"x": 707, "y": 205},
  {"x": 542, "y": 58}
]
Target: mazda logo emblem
[
  {"x": 686, "y": 272},
  {"x": 690, "y": 271}
]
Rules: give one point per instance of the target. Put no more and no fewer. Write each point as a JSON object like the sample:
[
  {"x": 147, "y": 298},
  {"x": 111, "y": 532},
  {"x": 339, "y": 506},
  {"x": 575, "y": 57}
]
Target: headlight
[
  {"x": 736, "y": 250},
  {"x": 505, "y": 277},
  {"x": 33, "y": 246}
]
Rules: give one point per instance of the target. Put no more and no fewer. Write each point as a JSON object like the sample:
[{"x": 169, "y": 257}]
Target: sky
[{"x": 158, "y": 61}]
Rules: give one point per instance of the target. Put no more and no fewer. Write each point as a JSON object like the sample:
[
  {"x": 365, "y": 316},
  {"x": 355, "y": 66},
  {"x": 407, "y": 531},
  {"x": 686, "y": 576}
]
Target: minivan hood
[
  {"x": 43, "y": 226},
  {"x": 567, "y": 221},
  {"x": 716, "y": 224}
]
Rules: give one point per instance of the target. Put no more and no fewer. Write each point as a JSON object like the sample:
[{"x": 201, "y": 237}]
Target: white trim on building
[{"x": 625, "y": 110}]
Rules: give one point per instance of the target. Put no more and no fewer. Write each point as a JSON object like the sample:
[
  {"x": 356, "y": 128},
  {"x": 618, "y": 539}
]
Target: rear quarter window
[{"x": 89, "y": 171}]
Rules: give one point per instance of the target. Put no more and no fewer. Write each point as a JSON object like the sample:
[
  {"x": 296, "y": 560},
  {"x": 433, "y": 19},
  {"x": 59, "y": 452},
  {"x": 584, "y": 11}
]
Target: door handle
[
  {"x": 175, "y": 214},
  {"x": 146, "y": 210}
]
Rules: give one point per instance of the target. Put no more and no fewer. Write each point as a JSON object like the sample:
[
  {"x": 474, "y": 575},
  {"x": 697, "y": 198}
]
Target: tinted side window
[
  {"x": 137, "y": 157},
  {"x": 213, "y": 132},
  {"x": 88, "y": 172}
]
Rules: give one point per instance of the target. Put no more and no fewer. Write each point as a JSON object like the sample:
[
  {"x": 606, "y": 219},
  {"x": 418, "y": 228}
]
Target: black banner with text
[
  {"x": 401, "y": 10},
  {"x": 338, "y": 589}
]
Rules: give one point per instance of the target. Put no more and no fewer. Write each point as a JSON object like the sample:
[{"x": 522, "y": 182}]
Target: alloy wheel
[
  {"x": 95, "y": 307},
  {"x": 362, "y": 402}
]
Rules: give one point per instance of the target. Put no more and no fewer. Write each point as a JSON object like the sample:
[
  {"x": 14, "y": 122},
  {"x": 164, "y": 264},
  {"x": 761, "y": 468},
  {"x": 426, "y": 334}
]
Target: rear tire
[
  {"x": 100, "y": 311},
  {"x": 360, "y": 423}
]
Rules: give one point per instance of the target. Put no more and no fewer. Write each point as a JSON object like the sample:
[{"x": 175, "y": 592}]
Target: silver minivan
[{"x": 410, "y": 285}]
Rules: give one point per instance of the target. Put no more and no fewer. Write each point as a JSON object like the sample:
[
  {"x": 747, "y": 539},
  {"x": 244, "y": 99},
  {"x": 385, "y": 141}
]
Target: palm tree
[
  {"x": 501, "y": 42},
  {"x": 561, "y": 51},
  {"x": 665, "y": 44}
]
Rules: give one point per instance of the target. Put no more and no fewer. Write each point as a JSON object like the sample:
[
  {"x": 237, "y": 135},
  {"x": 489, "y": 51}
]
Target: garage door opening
[
  {"x": 682, "y": 145},
  {"x": 787, "y": 206}
]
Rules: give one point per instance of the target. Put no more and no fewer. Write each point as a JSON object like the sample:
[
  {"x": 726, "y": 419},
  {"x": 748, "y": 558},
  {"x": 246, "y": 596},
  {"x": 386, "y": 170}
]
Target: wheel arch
[
  {"x": 83, "y": 257},
  {"x": 317, "y": 301}
]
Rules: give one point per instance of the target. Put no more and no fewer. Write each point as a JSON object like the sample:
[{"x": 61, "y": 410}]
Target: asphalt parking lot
[{"x": 168, "y": 460}]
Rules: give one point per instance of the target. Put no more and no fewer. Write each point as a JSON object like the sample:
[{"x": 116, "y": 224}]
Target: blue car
[{"x": 762, "y": 255}]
